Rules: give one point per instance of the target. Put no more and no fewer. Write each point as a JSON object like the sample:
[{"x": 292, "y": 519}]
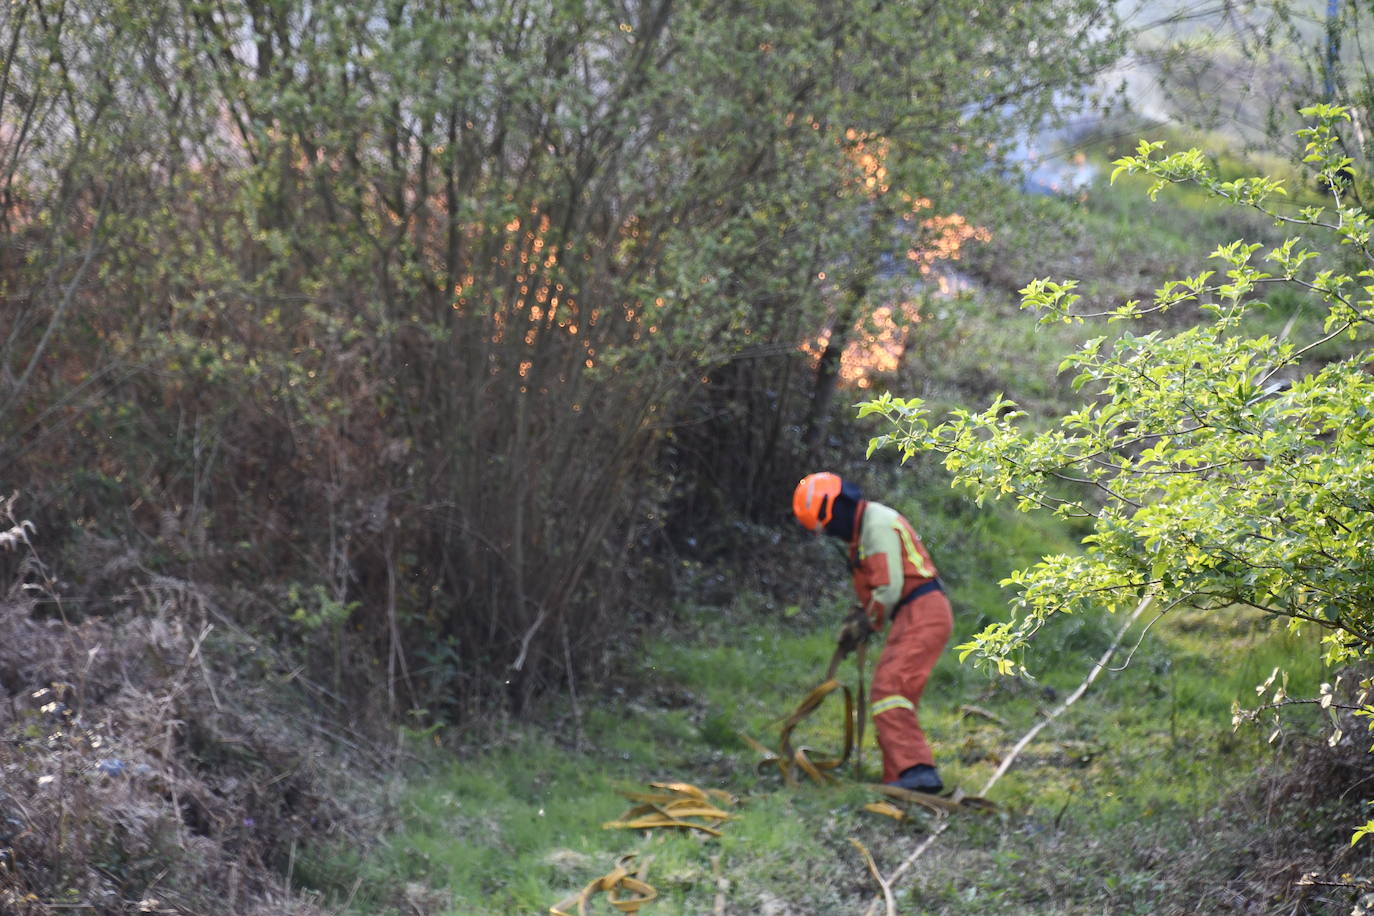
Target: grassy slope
[
  {"x": 517, "y": 826},
  {"x": 1112, "y": 809}
]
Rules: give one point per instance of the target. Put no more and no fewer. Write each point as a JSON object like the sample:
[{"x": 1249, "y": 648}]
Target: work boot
[{"x": 920, "y": 778}]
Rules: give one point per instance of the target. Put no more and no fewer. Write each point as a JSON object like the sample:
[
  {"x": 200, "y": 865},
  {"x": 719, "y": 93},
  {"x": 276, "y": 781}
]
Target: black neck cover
[{"x": 841, "y": 524}]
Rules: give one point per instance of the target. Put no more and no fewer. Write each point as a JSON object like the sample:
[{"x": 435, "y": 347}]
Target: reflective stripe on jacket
[{"x": 887, "y": 558}]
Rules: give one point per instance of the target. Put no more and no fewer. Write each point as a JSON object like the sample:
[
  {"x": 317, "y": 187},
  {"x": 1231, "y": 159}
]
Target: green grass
[
  {"x": 1120, "y": 245},
  {"x": 1129, "y": 769},
  {"x": 516, "y": 828}
]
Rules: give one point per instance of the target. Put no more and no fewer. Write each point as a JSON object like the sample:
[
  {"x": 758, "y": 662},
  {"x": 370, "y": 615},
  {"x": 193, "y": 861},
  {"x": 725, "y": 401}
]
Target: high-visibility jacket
[{"x": 887, "y": 559}]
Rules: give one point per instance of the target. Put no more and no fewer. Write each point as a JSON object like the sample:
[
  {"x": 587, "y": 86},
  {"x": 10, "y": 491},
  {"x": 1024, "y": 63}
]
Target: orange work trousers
[{"x": 917, "y": 637}]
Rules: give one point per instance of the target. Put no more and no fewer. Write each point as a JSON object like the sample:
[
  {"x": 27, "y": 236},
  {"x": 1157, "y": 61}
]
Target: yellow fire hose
[
  {"x": 622, "y": 877},
  {"x": 674, "y": 805},
  {"x": 820, "y": 768},
  {"x": 677, "y": 805},
  {"x": 789, "y": 760}
]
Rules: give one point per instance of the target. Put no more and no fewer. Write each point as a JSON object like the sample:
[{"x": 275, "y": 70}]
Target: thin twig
[
  {"x": 204, "y": 669},
  {"x": 1072, "y": 698},
  {"x": 877, "y": 876},
  {"x": 1145, "y": 632},
  {"x": 351, "y": 894},
  {"x": 578, "y": 734},
  {"x": 721, "y": 886},
  {"x": 519, "y": 662}
]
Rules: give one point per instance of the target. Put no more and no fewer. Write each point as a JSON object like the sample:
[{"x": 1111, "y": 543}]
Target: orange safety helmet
[{"x": 813, "y": 502}]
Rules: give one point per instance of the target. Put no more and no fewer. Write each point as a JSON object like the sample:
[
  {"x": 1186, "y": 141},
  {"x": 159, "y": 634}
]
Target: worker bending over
[{"x": 896, "y": 585}]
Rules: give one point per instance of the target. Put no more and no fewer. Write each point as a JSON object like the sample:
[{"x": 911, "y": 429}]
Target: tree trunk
[{"x": 852, "y": 299}]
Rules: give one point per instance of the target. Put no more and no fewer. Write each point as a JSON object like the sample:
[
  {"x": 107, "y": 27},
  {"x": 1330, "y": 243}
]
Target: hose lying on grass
[
  {"x": 676, "y": 804},
  {"x": 672, "y": 805},
  {"x": 620, "y": 878}
]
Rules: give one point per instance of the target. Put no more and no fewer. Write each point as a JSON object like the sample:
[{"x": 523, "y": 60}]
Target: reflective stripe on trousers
[{"x": 913, "y": 646}]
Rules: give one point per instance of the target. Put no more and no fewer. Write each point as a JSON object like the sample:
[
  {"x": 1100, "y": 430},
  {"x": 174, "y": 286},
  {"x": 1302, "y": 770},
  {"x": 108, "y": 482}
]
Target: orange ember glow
[
  {"x": 868, "y": 152},
  {"x": 947, "y": 236},
  {"x": 879, "y": 341},
  {"x": 877, "y": 347}
]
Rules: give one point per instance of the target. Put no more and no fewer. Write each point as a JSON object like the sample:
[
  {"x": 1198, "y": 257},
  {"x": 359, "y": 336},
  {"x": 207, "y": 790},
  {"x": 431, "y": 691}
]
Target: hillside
[{"x": 400, "y": 406}]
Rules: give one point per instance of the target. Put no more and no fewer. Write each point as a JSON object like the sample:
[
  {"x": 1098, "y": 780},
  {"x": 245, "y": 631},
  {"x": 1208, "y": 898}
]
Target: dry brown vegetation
[{"x": 154, "y": 757}]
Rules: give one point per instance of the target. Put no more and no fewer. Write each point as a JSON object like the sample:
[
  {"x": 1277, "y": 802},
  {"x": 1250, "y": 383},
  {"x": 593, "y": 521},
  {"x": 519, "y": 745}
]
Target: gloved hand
[{"x": 855, "y": 630}]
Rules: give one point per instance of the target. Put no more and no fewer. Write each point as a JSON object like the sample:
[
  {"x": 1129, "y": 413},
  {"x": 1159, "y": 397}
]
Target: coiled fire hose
[
  {"x": 821, "y": 769},
  {"x": 672, "y": 805},
  {"x": 620, "y": 878}
]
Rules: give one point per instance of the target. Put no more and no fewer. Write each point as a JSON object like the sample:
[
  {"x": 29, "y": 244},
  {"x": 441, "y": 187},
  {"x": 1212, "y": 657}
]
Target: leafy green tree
[{"x": 1218, "y": 467}]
